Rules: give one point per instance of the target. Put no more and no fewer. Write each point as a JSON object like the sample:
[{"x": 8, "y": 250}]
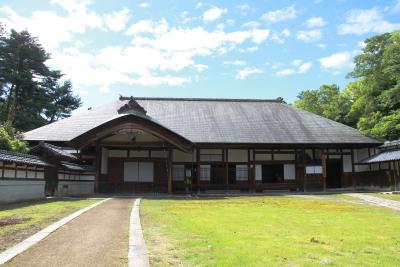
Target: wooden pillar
[
  {"x": 98, "y": 169},
  {"x": 248, "y": 169},
  {"x": 170, "y": 171},
  {"x": 226, "y": 169},
  {"x": 324, "y": 170},
  {"x": 303, "y": 156},
  {"x": 353, "y": 173},
  {"x": 198, "y": 169}
]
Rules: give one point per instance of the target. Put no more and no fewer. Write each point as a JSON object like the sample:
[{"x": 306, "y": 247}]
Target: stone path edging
[
  {"x": 10, "y": 253},
  {"x": 377, "y": 201},
  {"x": 137, "y": 253}
]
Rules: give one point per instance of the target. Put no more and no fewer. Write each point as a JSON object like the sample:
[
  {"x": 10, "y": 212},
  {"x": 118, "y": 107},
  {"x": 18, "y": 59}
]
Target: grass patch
[
  {"x": 19, "y": 221},
  {"x": 387, "y": 196},
  {"x": 269, "y": 231}
]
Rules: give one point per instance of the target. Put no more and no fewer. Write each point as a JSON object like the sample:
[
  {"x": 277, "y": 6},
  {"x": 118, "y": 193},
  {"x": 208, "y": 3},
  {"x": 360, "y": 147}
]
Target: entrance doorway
[{"x": 334, "y": 173}]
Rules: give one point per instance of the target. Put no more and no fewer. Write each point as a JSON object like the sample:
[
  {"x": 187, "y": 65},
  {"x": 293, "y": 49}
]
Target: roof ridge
[{"x": 122, "y": 98}]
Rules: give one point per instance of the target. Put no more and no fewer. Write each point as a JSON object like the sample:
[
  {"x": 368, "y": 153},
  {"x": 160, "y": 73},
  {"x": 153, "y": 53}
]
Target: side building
[{"x": 177, "y": 145}]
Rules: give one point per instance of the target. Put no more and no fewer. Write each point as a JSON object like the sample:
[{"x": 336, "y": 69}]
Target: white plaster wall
[
  {"x": 118, "y": 153},
  {"x": 18, "y": 190},
  {"x": 237, "y": 155},
  {"x": 139, "y": 153},
  {"x": 263, "y": 156},
  {"x": 284, "y": 157},
  {"x": 179, "y": 156},
  {"x": 68, "y": 188},
  {"x": 159, "y": 154}
]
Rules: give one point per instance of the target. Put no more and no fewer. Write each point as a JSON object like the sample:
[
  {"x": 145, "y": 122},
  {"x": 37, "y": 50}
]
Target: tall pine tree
[{"x": 31, "y": 93}]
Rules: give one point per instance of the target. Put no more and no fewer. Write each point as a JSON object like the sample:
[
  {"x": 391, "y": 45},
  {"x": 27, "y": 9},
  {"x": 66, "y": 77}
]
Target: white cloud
[
  {"x": 309, "y": 36},
  {"x": 200, "y": 67},
  {"x": 235, "y": 62},
  {"x": 283, "y": 14},
  {"x": 251, "y": 24},
  {"x": 299, "y": 67},
  {"x": 117, "y": 20},
  {"x": 396, "y": 7},
  {"x": 361, "y": 21},
  {"x": 285, "y": 72},
  {"x": 303, "y": 68},
  {"x": 337, "y": 60},
  {"x": 53, "y": 29},
  {"x": 145, "y": 5},
  {"x": 213, "y": 14},
  {"x": 244, "y": 73},
  {"x": 244, "y": 9},
  {"x": 280, "y": 36},
  {"x": 315, "y": 22},
  {"x": 285, "y": 32},
  {"x": 259, "y": 36}
]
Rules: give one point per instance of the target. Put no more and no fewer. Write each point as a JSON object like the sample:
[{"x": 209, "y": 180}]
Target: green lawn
[
  {"x": 19, "y": 221},
  {"x": 269, "y": 231},
  {"x": 388, "y": 196}
]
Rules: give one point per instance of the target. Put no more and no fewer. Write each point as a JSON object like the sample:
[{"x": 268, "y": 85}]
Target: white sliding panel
[
  {"x": 258, "y": 172},
  {"x": 131, "y": 171},
  {"x": 289, "y": 172},
  {"x": 146, "y": 171}
]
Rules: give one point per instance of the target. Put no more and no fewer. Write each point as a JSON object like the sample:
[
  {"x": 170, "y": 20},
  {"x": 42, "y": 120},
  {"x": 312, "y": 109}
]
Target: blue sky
[{"x": 224, "y": 49}]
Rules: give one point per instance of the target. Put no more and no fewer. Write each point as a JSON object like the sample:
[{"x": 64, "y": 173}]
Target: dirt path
[
  {"x": 377, "y": 201},
  {"x": 99, "y": 237}
]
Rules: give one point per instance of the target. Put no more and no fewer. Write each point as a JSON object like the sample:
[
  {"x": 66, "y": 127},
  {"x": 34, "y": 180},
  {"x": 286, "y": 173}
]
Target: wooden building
[{"x": 178, "y": 145}]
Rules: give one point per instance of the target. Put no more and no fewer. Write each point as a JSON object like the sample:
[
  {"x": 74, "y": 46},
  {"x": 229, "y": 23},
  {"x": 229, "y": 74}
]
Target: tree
[
  {"x": 371, "y": 102},
  {"x": 10, "y": 139},
  {"x": 378, "y": 70},
  {"x": 31, "y": 94},
  {"x": 327, "y": 101}
]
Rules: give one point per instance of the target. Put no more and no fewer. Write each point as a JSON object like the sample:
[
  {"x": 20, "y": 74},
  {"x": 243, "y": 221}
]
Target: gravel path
[
  {"x": 99, "y": 237},
  {"x": 377, "y": 201}
]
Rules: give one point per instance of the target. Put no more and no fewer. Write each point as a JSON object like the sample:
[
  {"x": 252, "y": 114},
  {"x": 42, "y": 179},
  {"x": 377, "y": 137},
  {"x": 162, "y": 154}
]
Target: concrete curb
[
  {"x": 32, "y": 240},
  {"x": 378, "y": 201},
  {"x": 137, "y": 254}
]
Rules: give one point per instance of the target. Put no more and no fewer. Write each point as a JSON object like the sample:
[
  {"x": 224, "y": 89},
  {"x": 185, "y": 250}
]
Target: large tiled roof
[
  {"x": 383, "y": 157},
  {"x": 22, "y": 158},
  {"x": 215, "y": 121}
]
